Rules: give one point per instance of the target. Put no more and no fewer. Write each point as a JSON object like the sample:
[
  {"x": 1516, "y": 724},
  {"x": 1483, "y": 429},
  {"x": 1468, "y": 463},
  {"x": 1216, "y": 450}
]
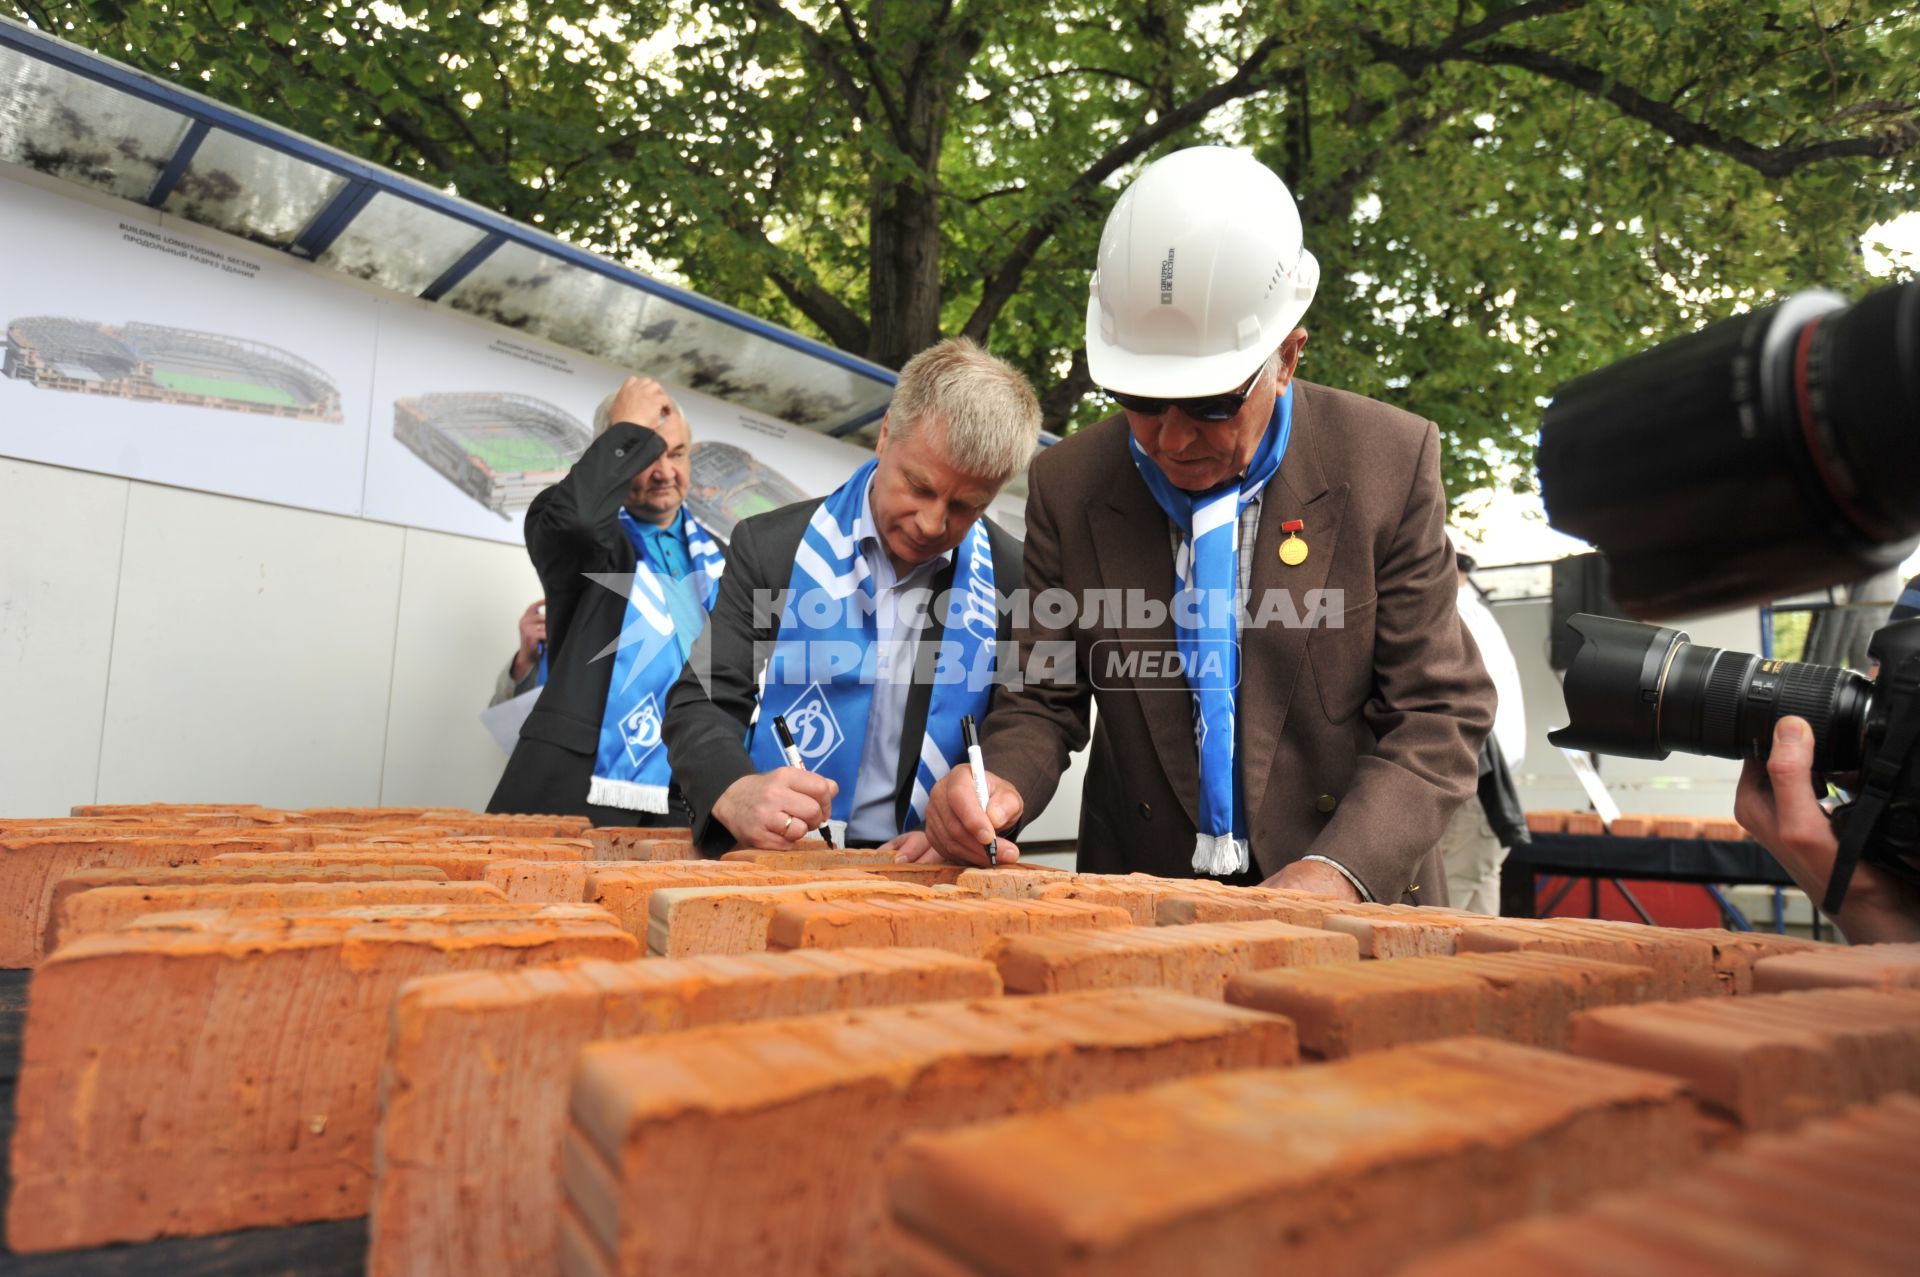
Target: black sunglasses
[{"x": 1220, "y": 407}]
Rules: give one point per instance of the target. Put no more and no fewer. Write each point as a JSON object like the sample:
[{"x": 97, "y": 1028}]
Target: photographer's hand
[{"x": 1775, "y": 804}]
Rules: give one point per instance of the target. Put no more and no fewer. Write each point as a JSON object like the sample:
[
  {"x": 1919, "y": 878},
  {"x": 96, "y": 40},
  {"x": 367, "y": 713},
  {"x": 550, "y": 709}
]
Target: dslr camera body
[{"x": 1767, "y": 454}]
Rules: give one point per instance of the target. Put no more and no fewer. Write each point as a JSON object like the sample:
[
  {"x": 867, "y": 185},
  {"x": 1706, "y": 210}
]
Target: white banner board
[{"x": 135, "y": 345}]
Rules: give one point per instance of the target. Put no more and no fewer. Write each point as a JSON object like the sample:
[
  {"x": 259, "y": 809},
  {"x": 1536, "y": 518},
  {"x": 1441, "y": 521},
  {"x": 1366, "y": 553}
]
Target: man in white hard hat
[{"x": 1318, "y": 738}]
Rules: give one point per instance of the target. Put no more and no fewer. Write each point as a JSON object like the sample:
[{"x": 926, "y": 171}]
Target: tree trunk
[{"x": 904, "y": 276}]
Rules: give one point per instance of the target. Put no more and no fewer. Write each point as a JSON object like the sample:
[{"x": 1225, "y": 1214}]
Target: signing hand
[
  {"x": 958, "y": 830},
  {"x": 774, "y": 810}
]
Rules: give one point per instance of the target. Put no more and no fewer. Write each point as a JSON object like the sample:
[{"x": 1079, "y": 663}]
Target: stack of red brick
[
  {"x": 1629, "y": 825},
  {"x": 528, "y": 1047}
]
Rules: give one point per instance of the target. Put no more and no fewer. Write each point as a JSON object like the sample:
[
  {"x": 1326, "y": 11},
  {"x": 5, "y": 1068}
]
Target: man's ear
[
  {"x": 1289, "y": 361},
  {"x": 880, "y": 444}
]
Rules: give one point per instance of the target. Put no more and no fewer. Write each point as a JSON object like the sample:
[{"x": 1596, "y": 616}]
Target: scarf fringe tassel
[{"x": 1220, "y": 855}]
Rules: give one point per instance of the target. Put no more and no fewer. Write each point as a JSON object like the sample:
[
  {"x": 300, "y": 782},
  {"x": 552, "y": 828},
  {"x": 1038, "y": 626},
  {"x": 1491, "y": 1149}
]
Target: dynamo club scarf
[
  {"x": 1208, "y": 563},
  {"x": 819, "y": 676},
  {"x": 630, "y": 767}
]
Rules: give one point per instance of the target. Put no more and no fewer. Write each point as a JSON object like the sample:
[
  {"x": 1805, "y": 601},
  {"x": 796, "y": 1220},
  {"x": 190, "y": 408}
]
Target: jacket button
[
  {"x": 619, "y": 452},
  {"x": 1146, "y": 812},
  {"x": 1327, "y": 802}
]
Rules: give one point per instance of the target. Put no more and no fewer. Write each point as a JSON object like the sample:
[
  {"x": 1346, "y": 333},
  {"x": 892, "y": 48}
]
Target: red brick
[
  {"x": 1883, "y": 966},
  {"x": 1139, "y": 894},
  {"x": 1537, "y": 994},
  {"x": 798, "y": 1118},
  {"x": 1350, "y": 1168},
  {"x": 942, "y": 875},
  {"x": 1244, "y": 904},
  {"x": 1682, "y": 963},
  {"x": 201, "y": 814},
  {"x": 110, "y": 908},
  {"x": 822, "y": 857},
  {"x": 1343, "y": 1009},
  {"x": 623, "y": 842},
  {"x": 458, "y": 866},
  {"x": 684, "y": 921},
  {"x": 1768, "y": 1062},
  {"x": 30, "y": 867},
  {"x": 456, "y": 1195},
  {"x": 201, "y": 1072},
  {"x": 1735, "y": 954},
  {"x": 1825, "y": 1199},
  {"x": 957, "y": 923},
  {"x": 1685, "y": 827},
  {"x": 1198, "y": 959},
  {"x": 1632, "y": 826},
  {"x": 1406, "y": 932},
  {"x": 1011, "y": 882},
  {"x": 1585, "y": 822},
  {"x": 541, "y": 881},
  {"x": 1547, "y": 822},
  {"x": 214, "y": 874},
  {"x": 625, "y": 891},
  {"x": 450, "y": 818},
  {"x": 459, "y": 844}
]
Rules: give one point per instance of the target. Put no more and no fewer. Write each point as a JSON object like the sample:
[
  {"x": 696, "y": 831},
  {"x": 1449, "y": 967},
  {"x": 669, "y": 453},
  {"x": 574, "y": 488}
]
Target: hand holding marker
[
  {"x": 792, "y": 754},
  {"x": 979, "y": 769}
]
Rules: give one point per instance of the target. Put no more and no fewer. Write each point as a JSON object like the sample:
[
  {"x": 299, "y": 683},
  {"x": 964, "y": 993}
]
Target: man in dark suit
[
  {"x": 1317, "y": 738},
  {"x": 867, "y": 621},
  {"x": 628, "y": 574}
]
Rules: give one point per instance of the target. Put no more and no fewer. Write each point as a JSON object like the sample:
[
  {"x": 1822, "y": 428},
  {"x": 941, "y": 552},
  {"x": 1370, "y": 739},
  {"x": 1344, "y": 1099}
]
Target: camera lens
[
  {"x": 1769, "y": 453},
  {"x": 1643, "y": 691}
]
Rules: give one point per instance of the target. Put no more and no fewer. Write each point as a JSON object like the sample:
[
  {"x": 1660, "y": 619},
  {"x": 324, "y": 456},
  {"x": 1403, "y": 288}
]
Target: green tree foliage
[{"x": 1501, "y": 195}]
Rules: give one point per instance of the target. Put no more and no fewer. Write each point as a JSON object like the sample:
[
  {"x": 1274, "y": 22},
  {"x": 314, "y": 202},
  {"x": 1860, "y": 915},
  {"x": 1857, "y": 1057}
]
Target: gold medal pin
[{"x": 1293, "y": 550}]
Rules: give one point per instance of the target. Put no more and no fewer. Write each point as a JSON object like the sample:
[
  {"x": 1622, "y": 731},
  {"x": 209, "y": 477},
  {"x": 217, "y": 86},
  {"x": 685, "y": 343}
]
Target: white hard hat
[{"x": 1201, "y": 276}]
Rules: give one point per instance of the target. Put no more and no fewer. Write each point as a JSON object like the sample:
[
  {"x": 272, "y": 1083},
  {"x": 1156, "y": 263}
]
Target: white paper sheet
[{"x": 503, "y": 721}]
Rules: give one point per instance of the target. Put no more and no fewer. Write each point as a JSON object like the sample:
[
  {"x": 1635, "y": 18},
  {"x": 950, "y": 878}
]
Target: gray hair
[{"x": 991, "y": 415}]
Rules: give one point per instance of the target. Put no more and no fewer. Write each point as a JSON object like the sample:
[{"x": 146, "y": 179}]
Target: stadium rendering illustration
[
  {"x": 152, "y": 363},
  {"x": 728, "y": 485},
  {"x": 500, "y": 449}
]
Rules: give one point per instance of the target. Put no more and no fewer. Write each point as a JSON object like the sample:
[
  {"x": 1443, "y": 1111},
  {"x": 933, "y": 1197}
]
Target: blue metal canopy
[{"x": 87, "y": 119}]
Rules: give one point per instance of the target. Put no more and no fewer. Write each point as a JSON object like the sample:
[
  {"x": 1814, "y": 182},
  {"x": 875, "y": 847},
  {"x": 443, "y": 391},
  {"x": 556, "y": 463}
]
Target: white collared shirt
[{"x": 900, "y": 604}]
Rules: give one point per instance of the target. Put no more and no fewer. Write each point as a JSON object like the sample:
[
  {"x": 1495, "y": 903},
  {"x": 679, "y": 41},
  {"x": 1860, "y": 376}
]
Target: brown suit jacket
[{"x": 1358, "y": 736}]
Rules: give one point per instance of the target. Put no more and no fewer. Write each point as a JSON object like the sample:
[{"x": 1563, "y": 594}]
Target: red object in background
[{"x": 1670, "y": 904}]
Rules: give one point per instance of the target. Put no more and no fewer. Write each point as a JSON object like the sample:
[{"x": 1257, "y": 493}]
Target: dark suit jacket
[
  {"x": 572, "y": 529},
  {"x": 1356, "y": 743},
  {"x": 706, "y": 719}
]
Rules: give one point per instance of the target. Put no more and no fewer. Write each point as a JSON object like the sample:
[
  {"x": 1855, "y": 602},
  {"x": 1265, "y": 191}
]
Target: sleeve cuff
[{"x": 1346, "y": 873}]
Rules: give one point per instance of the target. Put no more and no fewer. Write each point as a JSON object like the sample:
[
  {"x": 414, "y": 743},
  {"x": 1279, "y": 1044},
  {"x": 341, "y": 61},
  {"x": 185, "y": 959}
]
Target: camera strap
[{"x": 1879, "y": 779}]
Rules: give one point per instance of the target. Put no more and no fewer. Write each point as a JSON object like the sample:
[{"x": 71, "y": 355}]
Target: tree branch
[
  {"x": 871, "y": 59},
  {"x": 1004, "y": 280},
  {"x": 844, "y": 326},
  {"x": 1770, "y": 161},
  {"x": 824, "y": 54},
  {"x": 1465, "y": 46}
]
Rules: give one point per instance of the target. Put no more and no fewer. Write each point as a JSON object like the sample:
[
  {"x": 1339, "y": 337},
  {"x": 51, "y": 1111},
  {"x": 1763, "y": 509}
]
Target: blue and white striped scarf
[
  {"x": 630, "y": 766},
  {"x": 821, "y": 671},
  {"x": 1206, "y": 630}
]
